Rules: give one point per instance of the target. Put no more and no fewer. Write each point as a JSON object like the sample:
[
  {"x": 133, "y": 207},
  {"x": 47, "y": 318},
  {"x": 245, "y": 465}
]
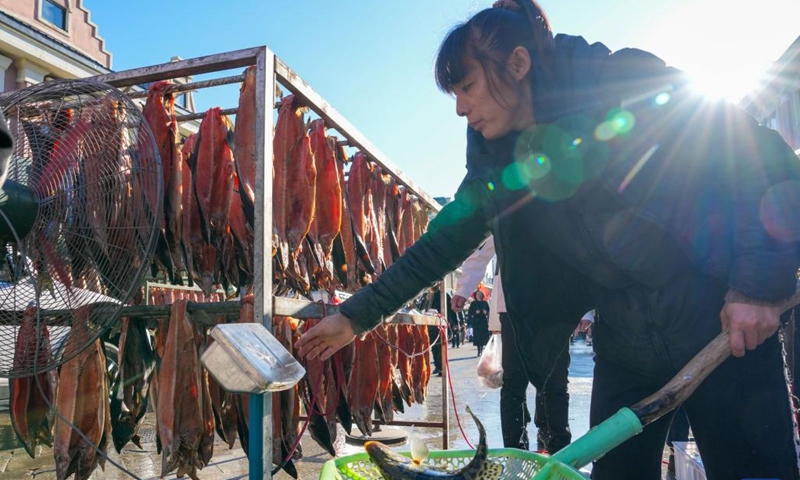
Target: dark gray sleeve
[
  {"x": 456, "y": 231},
  {"x": 766, "y": 199}
]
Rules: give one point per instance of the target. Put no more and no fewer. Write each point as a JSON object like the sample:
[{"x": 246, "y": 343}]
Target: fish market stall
[{"x": 236, "y": 245}]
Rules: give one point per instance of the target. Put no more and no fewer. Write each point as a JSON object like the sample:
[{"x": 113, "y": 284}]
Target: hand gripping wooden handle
[{"x": 682, "y": 385}]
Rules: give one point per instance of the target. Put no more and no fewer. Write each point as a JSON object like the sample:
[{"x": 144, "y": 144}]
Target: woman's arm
[
  {"x": 452, "y": 236},
  {"x": 474, "y": 268},
  {"x": 765, "y": 248}
]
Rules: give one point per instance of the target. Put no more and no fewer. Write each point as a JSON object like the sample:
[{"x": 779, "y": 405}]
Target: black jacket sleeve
[
  {"x": 764, "y": 209},
  {"x": 456, "y": 231}
]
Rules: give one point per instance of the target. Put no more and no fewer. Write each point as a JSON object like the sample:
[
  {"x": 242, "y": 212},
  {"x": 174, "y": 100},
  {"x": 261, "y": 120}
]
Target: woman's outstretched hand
[{"x": 325, "y": 338}]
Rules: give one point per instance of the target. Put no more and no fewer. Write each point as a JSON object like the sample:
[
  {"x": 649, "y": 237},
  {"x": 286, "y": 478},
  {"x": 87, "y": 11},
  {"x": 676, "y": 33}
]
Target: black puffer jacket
[{"x": 629, "y": 195}]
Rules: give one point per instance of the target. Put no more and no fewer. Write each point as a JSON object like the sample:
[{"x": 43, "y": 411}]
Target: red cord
[
  {"x": 309, "y": 411},
  {"x": 312, "y": 406},
  {"x": 442, "y": 332},
  {"x": 297, "y": 440},
  {"x": 397, "y": 347},
  {"x": 453, "y": 395},
  {"x": 449, "y": 377}
]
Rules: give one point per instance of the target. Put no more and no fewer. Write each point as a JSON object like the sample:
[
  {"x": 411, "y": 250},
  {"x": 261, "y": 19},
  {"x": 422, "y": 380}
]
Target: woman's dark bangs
[{"x": 450, "y": 68}]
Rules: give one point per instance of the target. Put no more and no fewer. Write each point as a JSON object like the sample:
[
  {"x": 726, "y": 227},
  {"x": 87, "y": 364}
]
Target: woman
[
  {"x": 607, "y": 184},
  {"x": 478, "y": 317}
]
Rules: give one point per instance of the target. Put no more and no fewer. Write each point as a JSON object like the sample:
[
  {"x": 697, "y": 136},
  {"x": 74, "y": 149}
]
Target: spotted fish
[{"x": 394, "y": 466}]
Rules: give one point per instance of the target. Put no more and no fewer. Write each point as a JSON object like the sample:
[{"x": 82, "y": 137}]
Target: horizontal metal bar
[
  {"x": 183, "y": 87},
  {"x": 408, "y": 423},
  {"x": 311, "y": 98},
  {"x": 291, "y": 307},
  {"x": 161, "y": 311},
  {"x": 182, "y": 68},
  {"x": 401, "y": 423},
  {"x": 184, "y": 288},
  {"x": 194, "y": 116},
  {"x": 285, "y": 307}
]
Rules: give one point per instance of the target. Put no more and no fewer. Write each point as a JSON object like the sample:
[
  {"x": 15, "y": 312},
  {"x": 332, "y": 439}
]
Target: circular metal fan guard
[{"x": 78, "y": 219}]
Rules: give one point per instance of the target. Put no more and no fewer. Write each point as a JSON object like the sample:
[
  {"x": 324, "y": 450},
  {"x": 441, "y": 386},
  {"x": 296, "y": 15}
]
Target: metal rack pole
[
  {"x": 182, "y": 68},
  {"x": 445, "y": 367},
  {"x": 261, "y": 416},
  {"x": 184, "y": 87}
]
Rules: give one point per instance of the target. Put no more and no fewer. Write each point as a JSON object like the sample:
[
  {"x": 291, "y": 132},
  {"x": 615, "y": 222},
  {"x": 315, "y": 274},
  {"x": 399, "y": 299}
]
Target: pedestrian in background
[
  {"x": 433, "y": 331},
  {"x": 478, "y": 317},
  {"x": 585, "y": 327},
  {"x": 455, "y": 320},
  {"x": 551, "y": 415}
]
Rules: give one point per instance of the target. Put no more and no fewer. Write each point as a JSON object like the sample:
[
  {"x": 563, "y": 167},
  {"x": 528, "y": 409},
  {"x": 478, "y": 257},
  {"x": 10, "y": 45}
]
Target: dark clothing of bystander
[
  {"x": 478, "y": 318},
  {"x": 551, "y": 416}
]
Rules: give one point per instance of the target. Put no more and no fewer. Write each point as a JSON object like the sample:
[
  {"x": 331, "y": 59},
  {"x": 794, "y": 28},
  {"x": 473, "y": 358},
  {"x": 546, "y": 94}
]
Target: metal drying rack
[{"x": 271, "y": 71}]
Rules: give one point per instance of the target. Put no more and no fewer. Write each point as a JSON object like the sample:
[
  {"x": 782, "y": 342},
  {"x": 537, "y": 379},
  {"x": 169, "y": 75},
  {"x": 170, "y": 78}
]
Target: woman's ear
[{"x": 519, "y": 63}]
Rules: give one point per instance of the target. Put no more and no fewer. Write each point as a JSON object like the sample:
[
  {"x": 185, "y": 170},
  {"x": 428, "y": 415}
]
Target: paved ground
[{"x": 233, "y": 465}]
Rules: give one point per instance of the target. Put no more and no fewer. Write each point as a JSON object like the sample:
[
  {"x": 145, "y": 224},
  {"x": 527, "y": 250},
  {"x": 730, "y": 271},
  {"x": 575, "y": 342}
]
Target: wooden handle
[{"x": 682, "y": 385}]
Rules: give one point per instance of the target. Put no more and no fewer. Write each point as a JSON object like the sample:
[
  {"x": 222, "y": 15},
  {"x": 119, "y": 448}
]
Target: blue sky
[{"x": 373, "y": 60}]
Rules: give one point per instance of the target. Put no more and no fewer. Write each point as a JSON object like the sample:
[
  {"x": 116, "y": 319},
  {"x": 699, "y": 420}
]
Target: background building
[
  {"x": 776, "y": 103},
  {"x": 46, "y": 39},
  {"x": 56, "y": 39}
]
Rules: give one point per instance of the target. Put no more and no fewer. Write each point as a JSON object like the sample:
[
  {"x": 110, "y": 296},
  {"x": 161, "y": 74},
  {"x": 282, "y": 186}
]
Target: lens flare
[
  {"x": 604, "y": 132},
  {"x": 778, "y": 211},
  {"x": 623, "y": 121},
  {"x": 637, "y": 167},
  {"x": 537, "y": 166},
  {"x": 490, "y": 186},
  {"x": 662, "y": 99},
  {"x": 514, "y": 176},
  {"x": 521, "y": 173},
  {"x": 618, "y": 122}
]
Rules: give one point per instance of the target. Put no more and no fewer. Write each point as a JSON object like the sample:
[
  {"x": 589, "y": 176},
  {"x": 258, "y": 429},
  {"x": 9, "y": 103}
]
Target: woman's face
[
  {"x": 492, "y": 111},
  {"x": 479, "y": 296}
]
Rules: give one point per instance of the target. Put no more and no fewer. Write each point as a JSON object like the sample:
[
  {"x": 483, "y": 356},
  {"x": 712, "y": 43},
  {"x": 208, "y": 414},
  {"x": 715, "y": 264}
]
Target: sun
[
  {"x": 725, "y": 50},
  {"x": 729, "y": 72},
  {"x": 725, "y": 78},
  {"x": 731, "y": 83}
]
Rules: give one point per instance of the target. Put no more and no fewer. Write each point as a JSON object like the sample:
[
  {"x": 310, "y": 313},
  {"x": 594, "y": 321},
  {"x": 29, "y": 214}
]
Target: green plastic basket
[{"x": 517, "y": 464}]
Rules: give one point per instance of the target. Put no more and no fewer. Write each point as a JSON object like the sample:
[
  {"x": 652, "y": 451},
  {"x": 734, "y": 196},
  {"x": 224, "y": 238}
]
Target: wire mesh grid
[{"x": 85, "y": 153}]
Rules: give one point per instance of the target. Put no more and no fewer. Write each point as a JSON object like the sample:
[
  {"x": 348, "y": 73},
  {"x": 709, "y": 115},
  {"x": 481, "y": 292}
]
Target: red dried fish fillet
[
  {"x": 244, "y": 143},
  {"x": 328, "y": 211},
  {"x": 213, "y": 175},
  {"x": 32, "y": 397},
  {"x": 288, "y": 131}
]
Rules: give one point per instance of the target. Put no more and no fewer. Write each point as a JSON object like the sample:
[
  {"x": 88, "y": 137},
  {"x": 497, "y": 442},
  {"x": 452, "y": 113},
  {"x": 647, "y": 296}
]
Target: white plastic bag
[{"x": 490, "y": 366}]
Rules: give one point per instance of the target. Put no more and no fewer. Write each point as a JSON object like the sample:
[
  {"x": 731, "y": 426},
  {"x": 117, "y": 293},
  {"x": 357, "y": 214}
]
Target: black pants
[
  {"x": 756, "y": 402},
  {"x": 436, "y": 347},
  {"x": 455, "y": 336},
  {"x": 679, "y": 429},
  {"x": 552, "y": 401}
]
